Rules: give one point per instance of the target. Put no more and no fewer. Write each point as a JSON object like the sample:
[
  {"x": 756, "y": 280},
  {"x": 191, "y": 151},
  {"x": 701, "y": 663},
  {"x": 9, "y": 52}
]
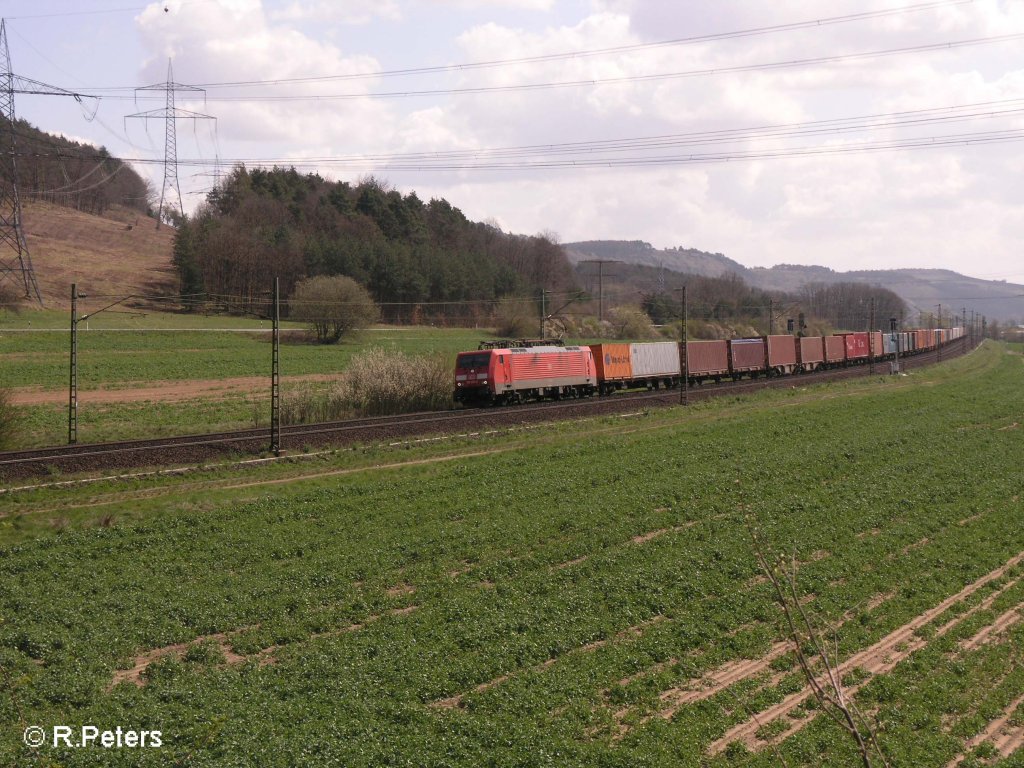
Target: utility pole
[
  {"x": 684, "y": 364},
  {"x": 600, "y": 282},
  {"x": 73, "y": 375},
  {"x": 275, "y": 373},
  {"x": 170, "y": 114},
  {"x": 938, "y": 345},
  {"x": 771, "y": 317},
  {"x": 73, "y": 380},
  {"x": 871, "y": 336},
  {"x": 543, "y": 312},
  {"x": 894, "y": 328}
]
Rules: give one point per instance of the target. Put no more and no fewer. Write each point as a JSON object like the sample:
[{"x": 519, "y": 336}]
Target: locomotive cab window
[{"x": 474, "y": 361}]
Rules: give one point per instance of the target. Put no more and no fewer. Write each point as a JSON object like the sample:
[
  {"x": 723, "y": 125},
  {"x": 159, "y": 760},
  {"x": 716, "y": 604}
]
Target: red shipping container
[
  {"x": 811, "y": 350},
  {"x": 856, "y": 345},
  {"x": 707, "y": 358},
  {"x": 835, "y": 349},
  {"x": 781, "y": 353},
  {"x": 746, "y": 355}
]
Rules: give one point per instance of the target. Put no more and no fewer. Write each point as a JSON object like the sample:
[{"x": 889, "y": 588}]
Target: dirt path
[
  {"x": 875, "y": 660},
  {"x": 164, "y": 391},
  {"x": 264, "y": 656},
  {"x": 1006, "y": 738}
]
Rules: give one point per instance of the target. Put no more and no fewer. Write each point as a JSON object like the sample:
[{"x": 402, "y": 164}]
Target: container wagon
[
  {"x": 655, "y": 363},
  {"x": 614, "y": 366},
  {"x": 746, "y": 356},
  {"x": 835, "y": 351},
  {"x": 810, "y": 353},
  {"x": 856, "y": 346},
  {"x": 641, "y": 364},
  {"x": 707, "y": 360},
  {"x": 782, "y": 359},
  {"x": 877, "y": 348}
]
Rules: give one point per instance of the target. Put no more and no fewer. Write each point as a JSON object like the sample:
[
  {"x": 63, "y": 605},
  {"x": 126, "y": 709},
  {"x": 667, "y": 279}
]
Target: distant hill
[
  {"x": 922, "y": 289},
  {"x": 118, "y": 253},
  {"x": 688, "y": 260}
]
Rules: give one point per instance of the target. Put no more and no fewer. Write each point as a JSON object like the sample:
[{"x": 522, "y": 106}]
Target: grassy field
[
  {"x": 126, "y": 352},
  {"x": 577, "y": 594},
  {"x": 119, "y": 353}
]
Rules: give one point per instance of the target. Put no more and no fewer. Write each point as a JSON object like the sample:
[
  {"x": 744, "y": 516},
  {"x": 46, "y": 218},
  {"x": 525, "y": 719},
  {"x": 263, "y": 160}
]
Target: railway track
[{"x": 188, "y": 449}]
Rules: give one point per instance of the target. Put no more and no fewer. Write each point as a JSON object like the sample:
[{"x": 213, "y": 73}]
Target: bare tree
[
  {"x": 333, "y": 306},
  {"x": 826, "y": 685}
]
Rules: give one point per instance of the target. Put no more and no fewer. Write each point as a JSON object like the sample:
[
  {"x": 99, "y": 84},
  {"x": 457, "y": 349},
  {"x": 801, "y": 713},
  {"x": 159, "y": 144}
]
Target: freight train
[{"x": 514, "y": 372}]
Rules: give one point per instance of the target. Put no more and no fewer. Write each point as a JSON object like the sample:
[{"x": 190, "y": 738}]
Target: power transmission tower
[
  {"x": 170, "y": 114},
  {"x": 16, "y": 267}
]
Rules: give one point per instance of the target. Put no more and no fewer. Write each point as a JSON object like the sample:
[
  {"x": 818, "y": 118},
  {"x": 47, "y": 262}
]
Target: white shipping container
[{"x": 656, "y": 358}]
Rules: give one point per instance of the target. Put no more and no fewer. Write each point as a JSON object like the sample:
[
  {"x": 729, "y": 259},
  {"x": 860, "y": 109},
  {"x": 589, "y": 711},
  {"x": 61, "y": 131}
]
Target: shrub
[
  {"x": 333, "y": 306},
  {"x": 630, "y": 323},
  {"x": 517, "y": 319},
  {"x": 377, "y": 383}
]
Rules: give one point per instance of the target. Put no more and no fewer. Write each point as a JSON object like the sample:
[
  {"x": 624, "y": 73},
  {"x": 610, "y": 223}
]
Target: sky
[{"x": 854, "y": 134}]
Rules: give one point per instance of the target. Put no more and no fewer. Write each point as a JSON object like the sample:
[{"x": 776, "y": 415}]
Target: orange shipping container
[{"x": 612, "y": 362}]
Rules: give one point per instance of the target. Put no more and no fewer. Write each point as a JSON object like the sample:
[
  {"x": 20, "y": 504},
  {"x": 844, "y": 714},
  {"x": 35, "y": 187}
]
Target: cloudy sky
[{"x": 853, "y": 134}]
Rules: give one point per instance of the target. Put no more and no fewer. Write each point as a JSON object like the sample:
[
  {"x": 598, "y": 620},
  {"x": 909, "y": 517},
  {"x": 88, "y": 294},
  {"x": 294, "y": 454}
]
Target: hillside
[
  {"x": 921, "y": 289},
  {"x": 688, "y": 260},
  {"x": 117, "y": 253}
]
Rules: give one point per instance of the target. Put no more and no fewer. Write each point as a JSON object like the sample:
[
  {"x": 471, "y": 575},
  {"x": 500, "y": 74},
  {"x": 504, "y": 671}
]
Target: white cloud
[
  {"x": 529, "y": 5},
  {"x": 924, "y": 208},
  {"x": 348, "y": 12}
]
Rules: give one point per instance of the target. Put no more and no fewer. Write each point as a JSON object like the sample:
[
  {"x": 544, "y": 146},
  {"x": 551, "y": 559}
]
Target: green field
[
  {"x": 563, "y": 595},
  {"x": 124, "y": 351},
  {"x": 118, "y": 352}
]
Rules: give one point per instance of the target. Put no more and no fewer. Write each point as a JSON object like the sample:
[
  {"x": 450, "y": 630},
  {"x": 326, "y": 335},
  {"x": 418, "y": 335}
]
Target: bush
[
  {"x": 377, "y": 383},
  {"x": 630, "y": 323},
  {"x": 333, "y": 306},
  {"x": 517, "y": 319}
]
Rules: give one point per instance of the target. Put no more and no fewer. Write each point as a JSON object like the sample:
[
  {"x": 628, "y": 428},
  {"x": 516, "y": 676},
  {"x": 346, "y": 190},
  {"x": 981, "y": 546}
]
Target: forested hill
[
  {"x": 407, "y": 252},
  {"x": 57, "y": 170}
]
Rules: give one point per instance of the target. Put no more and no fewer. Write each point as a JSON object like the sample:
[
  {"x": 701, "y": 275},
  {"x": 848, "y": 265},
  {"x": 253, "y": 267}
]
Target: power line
[
  {"x": 588, "y": 82},
  {"x": 479, "y": 158},
  {"x": 980, "y": 138},
  {"x": 580, "y": 54}
]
